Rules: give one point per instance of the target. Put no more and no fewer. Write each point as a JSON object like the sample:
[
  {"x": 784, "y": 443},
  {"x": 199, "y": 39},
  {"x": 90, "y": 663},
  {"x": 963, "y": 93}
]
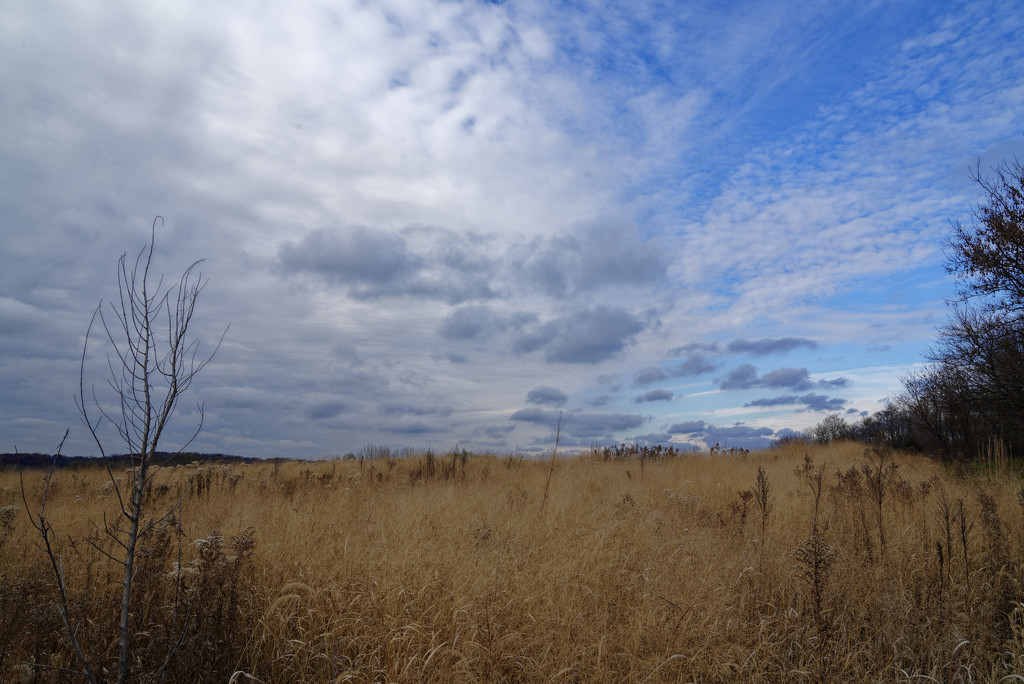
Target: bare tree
[
  {"x": 153, "y": 362},
  {"x": 832, "y": 428},
  {"x": 987, "y": 255},
  {"x": 973, "y": 390},
  {"x": 942, "y": 410}
]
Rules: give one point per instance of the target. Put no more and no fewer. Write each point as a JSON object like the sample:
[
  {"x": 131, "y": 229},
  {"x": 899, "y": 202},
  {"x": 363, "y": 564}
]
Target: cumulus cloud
[
  {"x": 653, "y": 439},
  {"x": 783, "y": 400},
  {"x": 796, "y": 379},
  {"x": 694, "y": 348},
  {"x": 583, "y": 336},
  {"x": 743, "y": 377},
  {"x": 698, "y": 364},
  {"x": 648, "y": 376},
  {"x": 655, "y": 395},
  {"x": 582, "y": 425},
  {"x": 594, "y": 256},
  {"x": 492, "y": 436},
  {"x": 534, "y": 415},
  {"x": 739, "y": 431},
  {"x": 810, "y": 402},
  {"x": 688, "y": 427},
  {"x": 601, "y": 424},
  {"x": 738, "y": 434},
  {"x": 457, "y": 267},
  {"x": 770, "y": 345},
  {"x": 417, "y": 409},
  {"x": 357, "y": 256},
  {"x": 414, "y": 426},
  {"x": 819, "y": 402},
  {"x": 481, "y": 321},
  {"x": 468, "y": 322},
  {"x": 372, "y": 263},
  {"x": 546, "y": 395}
]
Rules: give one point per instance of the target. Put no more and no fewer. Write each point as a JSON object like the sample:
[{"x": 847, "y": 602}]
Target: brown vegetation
[{"x": 804, "y": 563}]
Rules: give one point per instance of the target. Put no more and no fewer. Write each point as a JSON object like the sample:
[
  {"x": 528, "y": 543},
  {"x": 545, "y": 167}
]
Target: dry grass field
[{"x": 837, "y": 564}]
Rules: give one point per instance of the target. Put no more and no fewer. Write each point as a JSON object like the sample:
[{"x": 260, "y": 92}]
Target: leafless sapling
[{"x": 152, "y": 363}]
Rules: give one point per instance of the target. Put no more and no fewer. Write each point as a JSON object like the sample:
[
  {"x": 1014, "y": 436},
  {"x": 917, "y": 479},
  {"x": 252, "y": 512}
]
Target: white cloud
[{"x": 545, "y": 194}]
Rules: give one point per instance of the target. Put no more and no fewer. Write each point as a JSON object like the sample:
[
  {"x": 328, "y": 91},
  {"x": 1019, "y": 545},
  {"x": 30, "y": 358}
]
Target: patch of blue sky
[{"x": 864, "y": 82}]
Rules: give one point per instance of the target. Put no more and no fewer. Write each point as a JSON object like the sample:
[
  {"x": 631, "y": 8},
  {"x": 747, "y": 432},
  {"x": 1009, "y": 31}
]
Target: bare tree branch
[
  {"x": 149, "y": 368},
  {"x": 45, "y": 531}
]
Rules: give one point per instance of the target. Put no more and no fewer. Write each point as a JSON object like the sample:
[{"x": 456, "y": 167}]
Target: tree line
[{"x": 969, "y": 397}]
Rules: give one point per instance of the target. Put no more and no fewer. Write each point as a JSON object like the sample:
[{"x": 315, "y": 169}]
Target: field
[{"x": 836, "y": 564}]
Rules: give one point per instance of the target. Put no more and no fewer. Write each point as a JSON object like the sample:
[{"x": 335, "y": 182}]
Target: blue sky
[{"x": 440, "y": 223}]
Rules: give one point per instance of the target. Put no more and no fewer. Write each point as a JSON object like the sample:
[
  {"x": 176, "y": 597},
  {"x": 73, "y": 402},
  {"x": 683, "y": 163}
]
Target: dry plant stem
[
  {"x": 763, "y": 496},
  {"x": 879, "y": 473},
  {"x": 551, "y": 467},
  {"x": 945, "y": 516},
  {"x": 56, "y": 564},
  {"x": 817, "y": 557},
  {"x": 964, "y": 525}
]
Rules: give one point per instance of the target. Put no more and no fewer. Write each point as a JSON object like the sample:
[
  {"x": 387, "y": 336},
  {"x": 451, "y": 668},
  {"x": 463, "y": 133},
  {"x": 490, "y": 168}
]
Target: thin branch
[
  {"x": 46, "y": 532},
  {"x": 554, "y": 452}
]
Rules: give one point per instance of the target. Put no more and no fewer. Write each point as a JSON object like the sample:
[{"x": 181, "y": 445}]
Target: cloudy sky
[{"x": 433, "y": 223}]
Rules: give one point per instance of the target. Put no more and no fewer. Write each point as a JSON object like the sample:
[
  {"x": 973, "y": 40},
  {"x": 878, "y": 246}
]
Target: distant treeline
[
  {"x": 162, "y": 457},
  {"x": 968, "y": 402}
]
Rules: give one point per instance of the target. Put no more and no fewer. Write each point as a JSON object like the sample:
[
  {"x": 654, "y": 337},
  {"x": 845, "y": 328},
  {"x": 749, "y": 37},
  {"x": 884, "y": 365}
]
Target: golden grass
[{"x": 336, "y": 572}]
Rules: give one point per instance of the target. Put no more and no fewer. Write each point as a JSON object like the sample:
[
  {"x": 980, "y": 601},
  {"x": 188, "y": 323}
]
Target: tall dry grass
[{"x": 811, "y": 563}]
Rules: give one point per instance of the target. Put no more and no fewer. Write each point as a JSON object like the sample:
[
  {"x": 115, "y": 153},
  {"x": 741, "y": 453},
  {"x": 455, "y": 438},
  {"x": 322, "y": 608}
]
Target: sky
[{"x": 440, "y": 224}]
